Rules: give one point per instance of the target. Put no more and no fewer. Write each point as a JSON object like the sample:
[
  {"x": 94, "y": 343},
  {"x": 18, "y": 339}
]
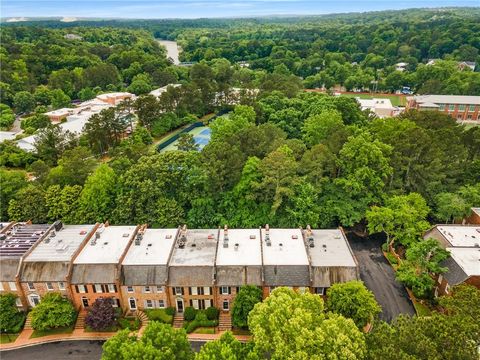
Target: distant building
[
  {"x": 461, "y": 108},
  {"x": 58, "y": 115},
  {"x": 72, "y": 37},
  {"x": 158, "y": 92},
  {"x": 467, "y": 65},
  {"x": 401, "y": 66},
  {"x": 7, "y": 135},
  {"x": 463, "y": 265},
  {"x": 380, "y": 107},
  {"x": 115, "y": 98}
]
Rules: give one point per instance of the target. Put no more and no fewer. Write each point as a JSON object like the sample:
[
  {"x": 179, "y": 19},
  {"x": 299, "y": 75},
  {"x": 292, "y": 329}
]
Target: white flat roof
[
  {"x": 248, "y": 251},
  {"x": 330, "y": 249},
  {"x": 7, "y": 135},
  {"x": 448, "y": 99},
  {"x": 114, "y": 95},
  {"x": 461, "y": 235},
  {"x": 199, "y": 248},
  {"x": 61, "y": 111},
  {"x": 154, "y": 248},
  {"x": 108, "y": 248},
  {"x": 287, "y": 248},
  {"x": 467, "y": 258},
  {"x": 62, "y": 245}
]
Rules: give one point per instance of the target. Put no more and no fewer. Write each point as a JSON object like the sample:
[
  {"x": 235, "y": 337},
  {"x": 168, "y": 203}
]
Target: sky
[{"x": 205, "y": 8}]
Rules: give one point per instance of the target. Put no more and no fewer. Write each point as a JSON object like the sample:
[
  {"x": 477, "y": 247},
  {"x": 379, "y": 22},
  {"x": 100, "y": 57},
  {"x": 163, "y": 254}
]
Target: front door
[
  {"x": 85, "y": 302},
  {"x": 133, "y": 304},
  {"x": 180, "y": 305},
  {"x": 34, "y": 300}
]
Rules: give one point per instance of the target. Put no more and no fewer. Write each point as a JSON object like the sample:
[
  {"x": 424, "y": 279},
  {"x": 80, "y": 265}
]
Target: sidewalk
[{"x": 23, "y": 340}]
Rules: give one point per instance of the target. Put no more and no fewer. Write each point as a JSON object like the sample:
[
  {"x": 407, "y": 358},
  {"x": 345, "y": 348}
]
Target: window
[
  {"x": 225, "y": 305},
  {"x": 469, "y": 116},
  {"x": 195, "y": 303},
  {"x": 302, "y": 290},
  {"x": 1, "y": 286},
  {"x": 441, "y": 106},
  {"x": 49, "y": 286},
  {"x": 81, "y": 289},
  {"x": 116, "y": 302},
  {"x": 440, "y": 278},
  {"x": 320, "y": 291},
  {"x": 237, "y": 289},
  {"x": 146, "y": 289},
  {"x": 149, "y": 304},
  {"x": 18, "y": 302},
  {"x": 97, "y": 288},
  {"x": 61, "y": 285},
  {"x": 459, "y": 116},
  {"x": 208, "y": 303},
  {"x": 461, "y": 107},
  {"x": 12, "y": 286},
  {"x": 31, "y": 286},
  {"x": 451, "y": 107},
  {"x": 160, "y": 289},
  {"x": 225, "y": 290},
  {"x": 207, "y": 290},
  {"x": 471, "y": 108},
  {"x": 112, "y": 288},
  {"x": 130, "y": 289},
  {"x": 177, "y": 291},
  {"x": 34, "y": 300},
  {"x": 161, "y": 303}
]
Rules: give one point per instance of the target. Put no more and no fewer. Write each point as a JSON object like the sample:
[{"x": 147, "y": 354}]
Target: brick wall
[
  {"x": 141, "y": 296},
  {"x": 41, "y": 289}
]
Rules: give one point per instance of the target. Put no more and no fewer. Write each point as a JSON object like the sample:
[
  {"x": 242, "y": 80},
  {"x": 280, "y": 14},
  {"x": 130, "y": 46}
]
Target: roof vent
[
  {"x": 83, "y": 232},
  {"x": 311, "y": 241},
  {"x": 194, "y": 245},
  {"x": 58, "y": 225},
  {"x": 183, "y": 237},
  {"x": 95, "y": 238},
  {"x": 169, "y": 236},
  {"x": 236, "y": 246},
  {"x": 125, "y": 235},
  {"x": 53, "y": 234},
  {"x": 105, "y": 243},
  {"x": 138, "y": 239},
  {"x": 150, "y": 244},
  {"x": 294, "y": 237},
  {"x": 476, "y": 245},
  {"x": 280, "y": 246},
  {"x": 252, "y": 237},
  {"x": 267, "y": 235}
]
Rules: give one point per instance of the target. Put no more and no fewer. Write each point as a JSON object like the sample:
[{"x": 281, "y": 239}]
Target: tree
[
  {"x": 463, "y": 301},
  {"x": 97, "y": 198},
  {"x": 73, "y": 167},
  {"x": 148, "y": 110},
  {"x": 450, "y": 206},
  {"x": 159, "y": 341},
  {"x": 141, "y": 84},
  {"x": 53, "y": 311},
  {"x": 11, "y": 181},
  {"x": 246, "y": 299},
  {"x": 186, "y": 142},
  {"x": 101, "y": 315},
  {"x": 403, "y": 218},
  {"x": 62, "y": 204},
  {"x": 424, "y": 338},
  {"x": 24, "y": 102},
  {"x": 421, "y": 265},
  {"x": 226, "y": 348},
  {"x": 60, "y": 99},
  {"x": 13, "y": 157},
  {"x": 317, "y": 128},
  {"x": 34, "y": 122},
  {"x": 353, "y": 300},
  {"x": 11, "y": 319},
  {"x": 105, "y": 130},
  {"x": 43, "y": 95},
  {"x": 28, "y": 204},
  {"x": 288, "y": 325},
  {"x": 6, "y": 117},
  {"x": 51, "y": 142}
]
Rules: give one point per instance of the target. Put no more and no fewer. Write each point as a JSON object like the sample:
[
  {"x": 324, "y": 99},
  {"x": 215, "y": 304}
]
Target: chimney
[
  {"x": 183, "y": 237},
  {"x": 225, "y": 236},
  {"x": 267, "y": 235},
  {"x": 310, "y": 240}
]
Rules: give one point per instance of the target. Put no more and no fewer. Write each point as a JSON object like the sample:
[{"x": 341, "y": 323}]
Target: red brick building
[{"x": 461, "y": 108}]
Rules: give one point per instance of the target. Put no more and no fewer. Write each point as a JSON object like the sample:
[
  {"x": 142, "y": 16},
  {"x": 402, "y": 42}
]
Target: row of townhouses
[{"x": 144, "y": 268}]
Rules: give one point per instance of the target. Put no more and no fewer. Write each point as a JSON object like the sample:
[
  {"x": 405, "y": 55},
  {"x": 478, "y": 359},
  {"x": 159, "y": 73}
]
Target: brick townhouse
[
  {"x": 461, "y": 108},
  {"x": 46, "y": 268},
  {"x": 463, "y": 265},
  {"x": 16, "y": 239},
  {"x": 96, "y": 269},
  {"x": 145, "y": 269}
]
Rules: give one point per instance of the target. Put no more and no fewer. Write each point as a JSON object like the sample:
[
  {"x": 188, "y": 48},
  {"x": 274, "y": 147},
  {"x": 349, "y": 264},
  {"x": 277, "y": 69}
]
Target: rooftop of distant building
[
  {"x": 19, "y": 238},
  {"x": 461, "y": 235},
  {"x": 283, "y": 247},
  {"x": 330, "y": 248},
  {"x": 243, "y": 247},
  {"x": 195, "y": 247}
]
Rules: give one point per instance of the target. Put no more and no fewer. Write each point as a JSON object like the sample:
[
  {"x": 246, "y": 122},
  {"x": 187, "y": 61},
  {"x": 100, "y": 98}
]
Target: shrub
[
  {"x": 11, "y": 319},
  {"x": 170, "y": 311},
  {"x": 102, "y": 315},
  {"x": 129, "y": 323},
  {"x": 159, "y": 315},
  {"x": 53, "y": 311},
  {"x": 212, "y": 313},
  {"x": 200, "y": 320},
  {"x": 189, "y": 313}
]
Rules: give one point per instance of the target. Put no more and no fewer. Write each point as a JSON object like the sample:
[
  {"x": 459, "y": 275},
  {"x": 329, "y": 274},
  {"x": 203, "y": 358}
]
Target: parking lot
[{"x": 379, "y": 277}]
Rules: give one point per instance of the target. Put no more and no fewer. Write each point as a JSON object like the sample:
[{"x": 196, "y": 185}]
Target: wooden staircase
[
  {"x": 80, "y": 323},
  {"x": 178, "y": 320},
  {"x": 28, "y": 322},
  {"x": 224, "y": 321}
]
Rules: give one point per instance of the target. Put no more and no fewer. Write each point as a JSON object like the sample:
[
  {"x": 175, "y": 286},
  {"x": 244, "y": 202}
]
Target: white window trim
[
  {"x": 161, "y": 304},
  {"x": 130, "y": 289},
  {"x": 151, "y": 302},
  {"x": 111, "y": 288},
  {"x": 206, "y": 290},
  {"x": 12, "y": 285},
  {"x": 160, "y": 289},
  {"x": 98, "y": 288},
  {"x": 194, "y": 290},
  {"x": 1, "y": 286},
  {"x": 49, "y": 288},
  {"x": 147, "y": 289},
  {"x": 18, "y": 302},
  {"x": 81, "y": 289},
  {"x": 31, "y": 286},
  {"x": 61, "y": 285},
  {"x": 208, "y": 303},
  {"x": 195, "y": 303}
]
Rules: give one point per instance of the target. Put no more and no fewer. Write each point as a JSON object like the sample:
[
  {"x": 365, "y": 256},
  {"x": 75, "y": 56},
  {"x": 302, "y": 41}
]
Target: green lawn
[
  {"x": 60, "y": 330},
  {"x": 397, "y": 100},
  {"x": 421, "y": 309},
  {"x": 7, "y": 338},
  {"x": 204, "y": 330}
]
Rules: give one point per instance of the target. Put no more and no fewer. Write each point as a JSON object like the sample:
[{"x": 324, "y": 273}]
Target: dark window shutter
[
  {"x": 76, "y": 289},
  {"x": 229, "y": 290},
  {"x": 181, "y": 291},
  {"x": 190, "y": 291},
  {"x": 114, "y": 287},
  {"x": 86, "y": 288}
]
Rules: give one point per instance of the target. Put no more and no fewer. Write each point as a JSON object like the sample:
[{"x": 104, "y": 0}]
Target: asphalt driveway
[{"x": 379, "y": 277}]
